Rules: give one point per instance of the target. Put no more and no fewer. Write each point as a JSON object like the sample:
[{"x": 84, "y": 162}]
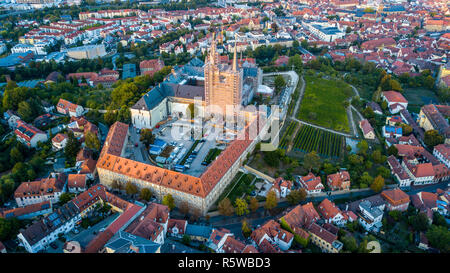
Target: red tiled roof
[
  {"x": 328, "y": 209},
  {"x": 393, "y": 96},
  {"x": 76, "y": 181}
]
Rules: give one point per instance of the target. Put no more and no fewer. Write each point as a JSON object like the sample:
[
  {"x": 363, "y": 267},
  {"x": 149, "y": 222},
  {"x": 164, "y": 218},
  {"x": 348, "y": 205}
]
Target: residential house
[
  {"x": 29, "y": 211},
  {"x": 198, "y": 232},
  {"x": 399, "y": 173},
  {"x": 375, "y": 107},
  {"x": 68, "y": 108},
  {"x": 29, "y": 135},
  {"x": 45, "y": 189},
  {"x": 88, "y": 167},
  {"x": 151, "y": 224},
  {"x": 435, "y": 117},
  {"x": 339, "y": 181},
  {"x": 311, "y": 183},
  {"x": 41, "y": 233},
  {"x": 76, "y": 183},
  {"x": 324, "y": 239},
  {"x": 281, "y": 187},
  {"x": 218, "y": 238},
  {"x": 442, "y": 152},
  {"x": 273, "y": 232},
  {"x": 331, "y": 213},
  {"x": 392, "y": 131},
  {"x": 370, "y": 216},
  {"x": 12, "y": 118},
  {"x": 176, "y": 227},
  {"x": 150, "y": 67},
  {"x": 395, "y": 101},
  {"x": 124, "y": 242},
  {"x": 396, "y": 199},
  {"x": 366, "y": 128},
  {"x": 59, "y": 141}
]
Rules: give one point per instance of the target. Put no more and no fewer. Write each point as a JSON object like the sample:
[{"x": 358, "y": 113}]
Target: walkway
[
  {"x": 259, "y": 174},
  {"x": 300, "y": 97},
  {"x": 320, "y": 127}
]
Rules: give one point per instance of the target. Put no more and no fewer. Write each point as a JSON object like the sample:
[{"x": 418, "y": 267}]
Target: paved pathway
[
  {"x": 300, "y": 97},
  {"x": 320, "y": 127},
  {"x": 259, "y": 174}
]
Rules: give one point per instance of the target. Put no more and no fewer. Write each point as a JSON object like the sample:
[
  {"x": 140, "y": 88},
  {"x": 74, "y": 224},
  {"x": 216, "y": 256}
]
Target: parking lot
[{"x": 177, "y": 133}]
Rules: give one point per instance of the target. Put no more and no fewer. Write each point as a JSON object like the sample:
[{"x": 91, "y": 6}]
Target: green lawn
[
  {"x": 240, "y": 185},
  {"x": 323, "y": 103},
  {"x": 212, "y": 154},
  {"x": 417, "y": 97}
]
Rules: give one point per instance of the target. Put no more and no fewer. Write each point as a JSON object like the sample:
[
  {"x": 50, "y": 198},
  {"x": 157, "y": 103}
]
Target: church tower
[{"x": 223, "y": 82}]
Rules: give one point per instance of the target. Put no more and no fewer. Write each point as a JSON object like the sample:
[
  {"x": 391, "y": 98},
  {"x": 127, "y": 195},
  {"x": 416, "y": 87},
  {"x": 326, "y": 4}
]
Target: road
[{"x": 234, "y": 223}]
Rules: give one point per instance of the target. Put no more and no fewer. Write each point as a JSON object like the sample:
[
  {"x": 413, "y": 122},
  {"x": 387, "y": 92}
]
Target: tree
[
  {"x": 406, "y": 129},
  {"x": 9, "y": 228},
  {"x": 433, "y": 138},
  {"x": 225, "y": 207},
  {"x": 362, "y": 146},
  {"x": 296, "y": 61},
  {"x": 168, "y": 201},
  {"x": 366, "y": 178},
  {"x": 116, "y": 185},
  {"x": 439, "y": 237},
  {"x": 190, "y": 111},
  {"x": 368, "y": 113},
  {"x": 271, "y": 200},
  {"x": 378, "y": 157},
  {"x": 65, "y": 197},
  {"x": 130, "y": 188},
  {"x": 311, "y": 161},
  {"x": 350, "y": 243},
  {"x": 92, "y": 141},
  {"x": 145, "y": 194},
  {"x": 384, "y": 172},
  {"x": 184, "y": 208},
  {"x": 280, "y": 83},
  {"x": 356, "y": 160},
  {"x": 147, "y": 137},
  {"x": 241, "y": 207},
  {"x": 72, "y": 148},
  {"x": 246, "y": 230},
  {"x": 296, "y": 196},
  {"x": 392, "y": 150},
  {"x": 186, "y": 239},
  {"x": 419, "y": 222},
  {"x": 253, "y": 204},
  {"x": 328, "y": 168},
  {"x": 25, "y": 111},
  {"x": 396, "y": 215},
  {"x": 16, "y": 155},
  {"x": 378, "y": 184}
]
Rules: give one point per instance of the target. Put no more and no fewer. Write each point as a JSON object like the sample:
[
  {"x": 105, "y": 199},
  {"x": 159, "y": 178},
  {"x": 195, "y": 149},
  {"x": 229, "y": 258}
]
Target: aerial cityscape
[{"x": 229, "y": 126}]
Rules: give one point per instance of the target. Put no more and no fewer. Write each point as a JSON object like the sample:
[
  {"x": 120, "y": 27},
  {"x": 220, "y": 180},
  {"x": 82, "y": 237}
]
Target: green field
[
  {"x": 417, "y": 97},
  {"x": 323, "y": 103},
  {"x": 212, "y": 154},
  {"x": 310, "y": 139},
  {"x": 240, "y": 185}
]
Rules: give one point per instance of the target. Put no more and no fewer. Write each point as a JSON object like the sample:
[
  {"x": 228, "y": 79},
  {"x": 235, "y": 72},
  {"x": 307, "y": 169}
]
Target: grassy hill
[{"x": 323, "y": 103}]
